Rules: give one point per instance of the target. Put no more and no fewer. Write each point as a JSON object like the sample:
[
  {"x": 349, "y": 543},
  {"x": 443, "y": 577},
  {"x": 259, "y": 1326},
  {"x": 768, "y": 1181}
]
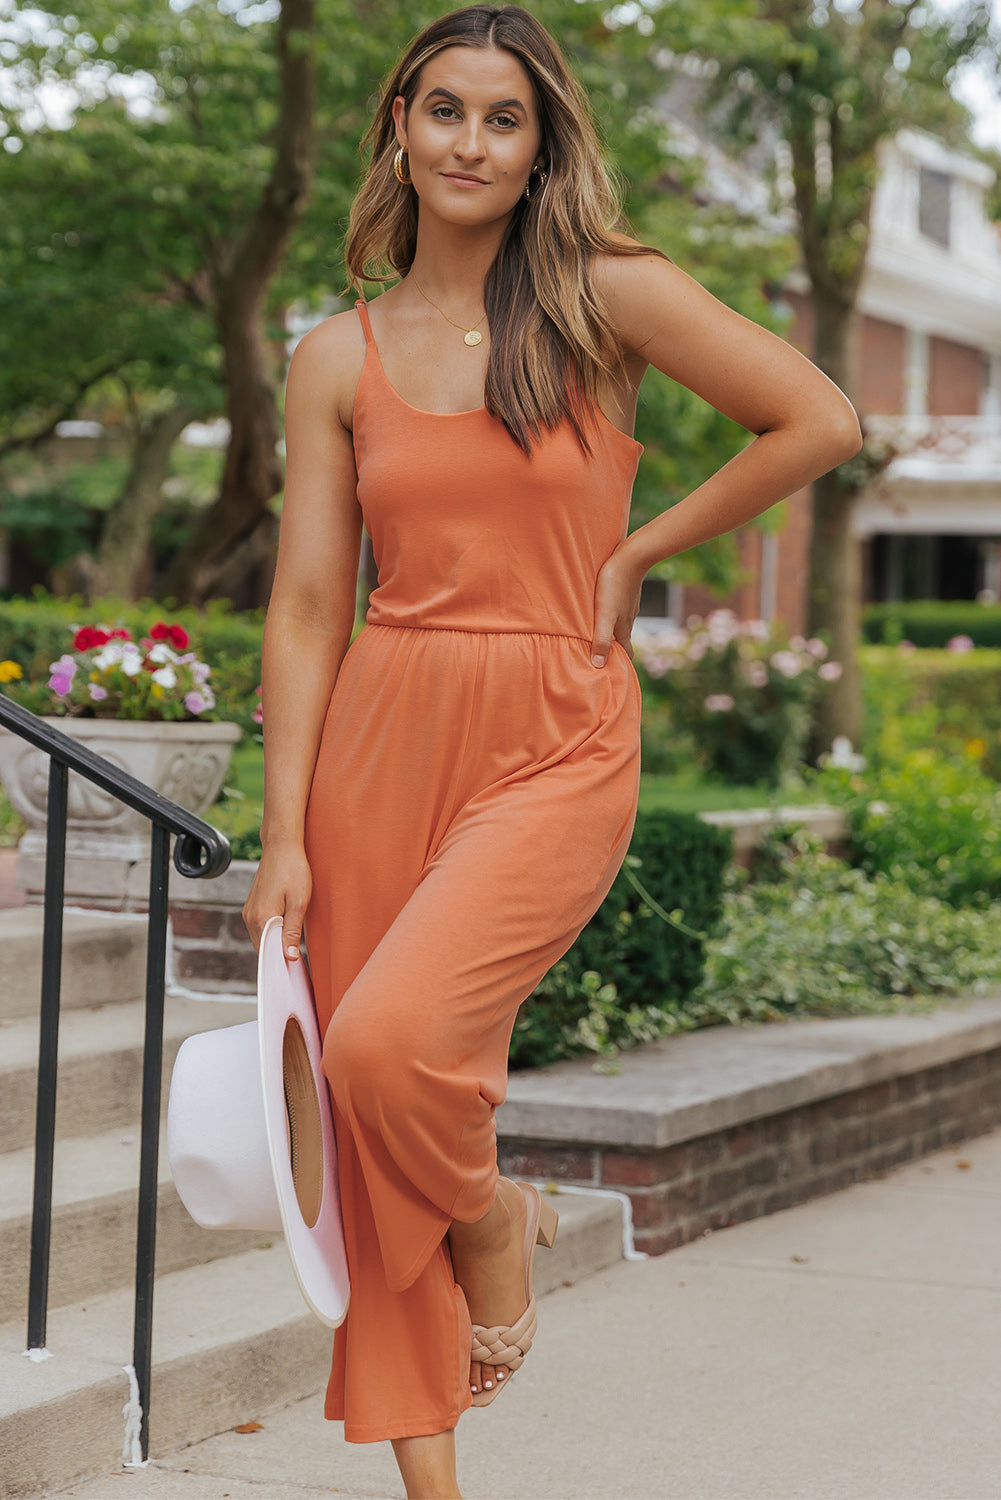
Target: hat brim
[{"x": 300, "y": 1128}]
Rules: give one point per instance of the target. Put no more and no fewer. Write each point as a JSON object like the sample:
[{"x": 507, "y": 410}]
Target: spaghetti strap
[{"x": 366, "y": 325}]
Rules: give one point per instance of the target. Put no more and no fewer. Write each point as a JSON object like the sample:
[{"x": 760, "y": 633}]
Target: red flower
[
  {"x": 89, "y": 636},
  {"x": 121, "y": 635},
  {"x": 174, "y": 635}
]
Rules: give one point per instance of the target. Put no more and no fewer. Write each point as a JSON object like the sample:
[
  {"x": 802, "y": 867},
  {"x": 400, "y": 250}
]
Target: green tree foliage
[{"x": 139, "y": 243}]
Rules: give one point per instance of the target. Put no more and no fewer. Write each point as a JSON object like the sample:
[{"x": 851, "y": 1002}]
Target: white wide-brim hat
[{"x": 250, "y": 1134}]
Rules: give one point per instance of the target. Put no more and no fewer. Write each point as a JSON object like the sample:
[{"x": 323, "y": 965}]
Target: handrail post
[
  {"x": 156, "y": 968},
  {"x": 48, "y": 1053},
  {"x": 200, "y": 852}
]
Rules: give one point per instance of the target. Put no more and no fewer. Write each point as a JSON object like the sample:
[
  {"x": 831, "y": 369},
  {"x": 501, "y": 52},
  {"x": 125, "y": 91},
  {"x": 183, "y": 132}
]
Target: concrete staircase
[{"x": 232, "y": 1336}]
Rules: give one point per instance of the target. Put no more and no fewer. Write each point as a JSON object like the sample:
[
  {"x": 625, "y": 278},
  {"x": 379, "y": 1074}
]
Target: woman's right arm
[{"x": 311, "y": 613}]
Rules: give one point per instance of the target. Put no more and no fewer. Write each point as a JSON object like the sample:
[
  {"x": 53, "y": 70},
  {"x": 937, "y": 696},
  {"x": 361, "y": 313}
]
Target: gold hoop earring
[
  {"x": 543, "y": 176},
  {"x": 398, "y": 166}
]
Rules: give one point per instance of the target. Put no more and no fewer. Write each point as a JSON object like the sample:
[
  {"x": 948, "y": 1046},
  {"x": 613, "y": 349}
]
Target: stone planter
[{"x": 107, "y": 843}]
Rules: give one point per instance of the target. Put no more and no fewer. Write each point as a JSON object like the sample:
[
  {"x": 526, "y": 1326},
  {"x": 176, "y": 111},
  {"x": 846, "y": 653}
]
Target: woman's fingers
[
  {"x": 281, "y": 887},
  {"x": 292, "y": 929}
]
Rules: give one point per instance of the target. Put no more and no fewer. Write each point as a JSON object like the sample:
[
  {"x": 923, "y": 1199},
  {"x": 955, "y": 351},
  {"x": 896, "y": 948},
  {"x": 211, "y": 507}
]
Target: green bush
[
  {"x": 743, "y": 691},
  {"x": 921, "y": 698},
  {"x": 932, "y": 622},
  {"x": 932, "y": 822},
  {"x": 36, "y": 631},
  {"x": 570, "y": 1013},
  {"x": 826, "y": 939},
  {"x": 641, "y": 954}
]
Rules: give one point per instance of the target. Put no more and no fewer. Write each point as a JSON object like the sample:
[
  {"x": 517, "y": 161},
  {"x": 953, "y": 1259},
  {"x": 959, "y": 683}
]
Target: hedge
[
  {"x": 653, "y": 958},
  {"x": 932, "y": 622}
]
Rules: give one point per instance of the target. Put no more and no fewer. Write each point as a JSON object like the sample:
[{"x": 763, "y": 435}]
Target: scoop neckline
[{"x": 473, "y": 411}]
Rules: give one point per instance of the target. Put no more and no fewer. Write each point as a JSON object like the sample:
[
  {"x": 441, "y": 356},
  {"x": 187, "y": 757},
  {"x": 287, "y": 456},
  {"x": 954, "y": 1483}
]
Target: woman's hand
[
  {"x": 616, "y": 603},
  {"x": 282, "y": 887}
]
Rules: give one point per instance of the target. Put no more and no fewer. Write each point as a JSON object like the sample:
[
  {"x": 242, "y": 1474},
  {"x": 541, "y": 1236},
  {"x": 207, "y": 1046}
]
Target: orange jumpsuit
[{"x": 473, "y": 799}]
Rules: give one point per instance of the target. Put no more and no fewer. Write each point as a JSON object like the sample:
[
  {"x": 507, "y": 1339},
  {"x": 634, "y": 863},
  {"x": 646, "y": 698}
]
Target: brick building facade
[{"x": 928, "y": 359}]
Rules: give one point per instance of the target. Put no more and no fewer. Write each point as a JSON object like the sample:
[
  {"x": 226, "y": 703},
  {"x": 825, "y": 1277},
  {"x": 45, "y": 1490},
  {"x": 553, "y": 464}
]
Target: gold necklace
[{"x": 470, "y": 336}]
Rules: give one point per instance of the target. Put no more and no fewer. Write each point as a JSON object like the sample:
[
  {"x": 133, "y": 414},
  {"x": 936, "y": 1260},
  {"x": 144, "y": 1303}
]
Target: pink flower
[
  {"x": 830, "y": 671},
  {"x": 907, "y": 647},
  {"x": 816, "y": 647},
  {"x": 960, "y": 643},
  {"x": 718, "y": 703},
  {"x": 63, "y": 671},
  {"x": 96, "y": 691},
  {"x": 786, "y": 662},
  {"x": 195, "y": 702}
]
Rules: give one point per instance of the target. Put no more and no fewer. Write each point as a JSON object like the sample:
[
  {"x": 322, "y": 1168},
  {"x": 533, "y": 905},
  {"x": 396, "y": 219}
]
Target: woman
[{"x": 448, "y": 801}]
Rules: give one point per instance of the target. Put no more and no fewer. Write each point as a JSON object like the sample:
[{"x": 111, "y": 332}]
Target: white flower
[
  {"x": 165, "y": 677},
  {"x": 830, "y": 671},
  {"x": 697, "y": 649},
  {"x": 757, "y": 673},
  {"x": 161, "y": 652},
  {"x": 842, "y": 755},
  {"x": 758, "y": 630},
  {"x": 816, "y": 647},
  {"x": 132, "y": 660},
  {"x": 124, "y": 654},
  {"x": 718, "y": 702},
  {"x": 108, "y": 656},
  {"x": 797, "y": 643}
]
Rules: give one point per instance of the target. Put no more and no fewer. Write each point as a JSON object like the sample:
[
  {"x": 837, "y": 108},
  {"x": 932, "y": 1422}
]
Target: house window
[{"x": 934, "y": 204}]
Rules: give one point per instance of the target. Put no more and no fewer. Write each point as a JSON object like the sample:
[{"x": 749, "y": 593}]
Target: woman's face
[{"x": 472, "y": 135}]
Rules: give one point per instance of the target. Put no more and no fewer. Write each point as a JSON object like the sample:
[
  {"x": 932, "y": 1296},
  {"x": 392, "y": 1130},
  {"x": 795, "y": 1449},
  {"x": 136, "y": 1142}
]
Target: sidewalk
[{"x": 845, "y": 1349}]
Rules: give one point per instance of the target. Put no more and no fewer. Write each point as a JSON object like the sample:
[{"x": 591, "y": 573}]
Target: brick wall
[
  {"x": 681, "y": 1191},
  {"x": 955, "y": 378},
  {"x": 881, "y": 366}
]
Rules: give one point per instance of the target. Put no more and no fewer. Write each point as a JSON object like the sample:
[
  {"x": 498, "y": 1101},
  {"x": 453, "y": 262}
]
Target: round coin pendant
[{"x": 473, "y": 337}]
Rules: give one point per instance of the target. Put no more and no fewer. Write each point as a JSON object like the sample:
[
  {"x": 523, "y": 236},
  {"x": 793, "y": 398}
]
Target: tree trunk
[
  {"x": 227, "y": 549},
  {"x": 125, "y": 533},
  {"x": 835, "y": 554},
  {"x": 227, "y": 543}
]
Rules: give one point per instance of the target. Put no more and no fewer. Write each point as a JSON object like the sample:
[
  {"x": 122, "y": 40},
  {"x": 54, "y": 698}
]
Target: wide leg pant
[{"x": 474, "y": 797}]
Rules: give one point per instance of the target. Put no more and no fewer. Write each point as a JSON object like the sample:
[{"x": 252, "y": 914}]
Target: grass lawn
[{"x": 689, "y": 792}]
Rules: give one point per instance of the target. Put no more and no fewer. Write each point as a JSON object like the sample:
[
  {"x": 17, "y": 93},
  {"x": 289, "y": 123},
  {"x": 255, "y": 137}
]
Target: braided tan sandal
[{"x": 508, "y": 1346}]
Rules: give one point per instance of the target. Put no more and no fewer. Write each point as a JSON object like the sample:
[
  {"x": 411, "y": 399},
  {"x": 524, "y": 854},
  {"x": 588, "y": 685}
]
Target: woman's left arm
[{"x": 804, "y": 425}]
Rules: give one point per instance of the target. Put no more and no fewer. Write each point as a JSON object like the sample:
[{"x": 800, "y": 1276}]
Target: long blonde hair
[{"x": 551, "y": 340}]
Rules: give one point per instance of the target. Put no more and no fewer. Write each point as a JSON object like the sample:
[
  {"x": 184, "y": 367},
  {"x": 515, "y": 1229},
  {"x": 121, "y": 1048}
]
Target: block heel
[{"x": 548, "y": 1224}]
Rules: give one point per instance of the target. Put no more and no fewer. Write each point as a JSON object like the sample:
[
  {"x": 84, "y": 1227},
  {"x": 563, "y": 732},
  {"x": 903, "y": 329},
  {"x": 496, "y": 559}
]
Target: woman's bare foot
[{"x": 488, "y": 1263}]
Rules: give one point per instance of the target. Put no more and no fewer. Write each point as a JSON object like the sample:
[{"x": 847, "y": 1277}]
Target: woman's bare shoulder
[
  {"x": 633, "y": 284},
  {"x": 327, "y": 361}
]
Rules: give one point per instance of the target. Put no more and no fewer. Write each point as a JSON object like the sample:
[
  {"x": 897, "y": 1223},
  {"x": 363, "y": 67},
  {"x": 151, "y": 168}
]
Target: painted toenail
[
  {"x": 488, "y": 1385},
  {"x": 474, "y": 1387}
]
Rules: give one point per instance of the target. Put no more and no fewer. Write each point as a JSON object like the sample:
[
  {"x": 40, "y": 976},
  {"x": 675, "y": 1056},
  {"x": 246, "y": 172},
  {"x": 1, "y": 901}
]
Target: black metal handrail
[{"x": 200, "y": 852}]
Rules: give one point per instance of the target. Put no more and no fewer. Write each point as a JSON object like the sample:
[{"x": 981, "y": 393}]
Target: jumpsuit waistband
[{"x": 556, "y": 635}]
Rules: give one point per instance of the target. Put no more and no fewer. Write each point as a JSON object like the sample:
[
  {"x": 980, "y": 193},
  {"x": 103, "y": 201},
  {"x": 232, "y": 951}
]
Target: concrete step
[
  {"x": 104, "y": 959},
  {"x": 95, "y": 1198},
  {"x": 233, "y": 1340},
  {"x": 100, "y": 1064}
]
